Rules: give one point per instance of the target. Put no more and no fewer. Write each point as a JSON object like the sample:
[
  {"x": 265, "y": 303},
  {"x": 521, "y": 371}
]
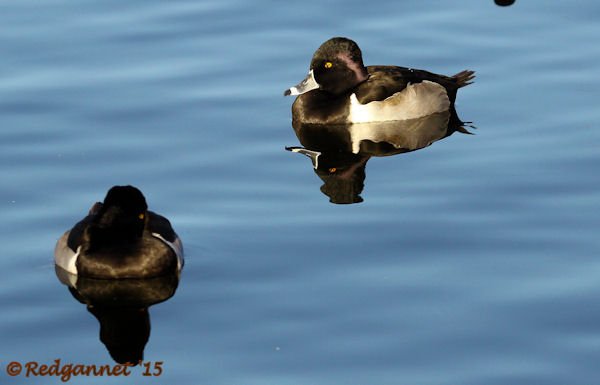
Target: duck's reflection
[
  {"x": 339, "y": 153},
  {"x": 121, "y": 308}
]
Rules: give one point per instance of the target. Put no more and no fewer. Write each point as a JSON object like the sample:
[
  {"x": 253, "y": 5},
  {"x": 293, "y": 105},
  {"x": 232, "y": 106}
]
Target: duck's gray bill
[{"x": 308, "y": 84}]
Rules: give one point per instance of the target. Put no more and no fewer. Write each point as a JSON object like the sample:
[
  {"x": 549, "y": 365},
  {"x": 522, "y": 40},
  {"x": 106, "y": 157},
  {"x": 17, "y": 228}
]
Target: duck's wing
[
  {"x": 385, "y": 81},
  {"x": 69, "y": 244},
  {"x": 161, "y": 225},
  {"x": 95, "y": 209},
  {"x": 161, "y": 228},
  {"x": 76, "y": 234}
]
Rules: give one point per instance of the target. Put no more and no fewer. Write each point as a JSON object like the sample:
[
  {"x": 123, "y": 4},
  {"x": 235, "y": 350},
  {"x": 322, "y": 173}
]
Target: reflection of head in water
[
  {"x": 344, "y": 176},
  {"x": 504, "y": 3},
  {"x": 124, "y": 332}
]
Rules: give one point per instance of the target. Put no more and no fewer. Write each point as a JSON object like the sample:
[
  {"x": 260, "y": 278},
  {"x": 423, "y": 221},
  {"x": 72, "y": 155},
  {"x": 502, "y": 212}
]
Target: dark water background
[{"x": 473, "y": 261}]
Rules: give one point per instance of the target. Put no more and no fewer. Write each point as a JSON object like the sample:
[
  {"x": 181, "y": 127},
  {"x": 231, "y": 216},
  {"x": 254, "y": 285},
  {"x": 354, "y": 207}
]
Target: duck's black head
[
  {"x": 128, "y": 198},
  {"x": 121, "y": 218},
  {"x": 336, "y": 67}
]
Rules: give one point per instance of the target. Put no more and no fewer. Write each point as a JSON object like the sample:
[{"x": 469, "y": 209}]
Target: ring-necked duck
[
  {"x": 120, "y": 238},
  {"x": 339, "y": 89}
]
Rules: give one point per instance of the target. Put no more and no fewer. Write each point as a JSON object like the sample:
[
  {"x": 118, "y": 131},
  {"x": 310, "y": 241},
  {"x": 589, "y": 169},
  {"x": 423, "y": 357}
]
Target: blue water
[{"x": 472, "y": 261}]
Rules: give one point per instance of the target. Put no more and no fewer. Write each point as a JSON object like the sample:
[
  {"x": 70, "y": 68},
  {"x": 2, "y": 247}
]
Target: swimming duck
[
  {"x": 120, "y": 238},
  {"x": 339, "y": 89}
]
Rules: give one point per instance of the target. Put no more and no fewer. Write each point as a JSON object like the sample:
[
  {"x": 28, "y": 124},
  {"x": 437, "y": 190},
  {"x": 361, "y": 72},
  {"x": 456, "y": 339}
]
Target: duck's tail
[{"x": 464, "y": 78}]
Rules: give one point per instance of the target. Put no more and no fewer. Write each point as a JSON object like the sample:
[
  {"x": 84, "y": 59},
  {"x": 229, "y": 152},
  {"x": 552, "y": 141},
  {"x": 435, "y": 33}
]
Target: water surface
[{"x": 471, "y": 261}]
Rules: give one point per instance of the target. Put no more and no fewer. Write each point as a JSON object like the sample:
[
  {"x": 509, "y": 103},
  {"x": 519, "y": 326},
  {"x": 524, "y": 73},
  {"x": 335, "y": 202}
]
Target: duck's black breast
[
  {"x": 321, "y": 107},
  {"x": 144, "y": 258}
]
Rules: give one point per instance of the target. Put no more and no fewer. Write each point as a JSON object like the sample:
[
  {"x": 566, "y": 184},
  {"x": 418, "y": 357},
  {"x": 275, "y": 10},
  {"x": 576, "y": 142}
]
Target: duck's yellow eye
[
  {"x": 332, "y": 170},
  {"x": 328, "y": 64},
  {"x": 141, "y": 216}
]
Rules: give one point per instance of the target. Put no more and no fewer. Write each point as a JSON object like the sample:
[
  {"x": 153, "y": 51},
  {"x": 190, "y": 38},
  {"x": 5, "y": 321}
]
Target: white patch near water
[{"x": 415, "y": 101}]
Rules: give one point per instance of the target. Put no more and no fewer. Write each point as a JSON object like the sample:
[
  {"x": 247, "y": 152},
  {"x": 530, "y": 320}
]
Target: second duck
[{"x": 339, "y": 89}]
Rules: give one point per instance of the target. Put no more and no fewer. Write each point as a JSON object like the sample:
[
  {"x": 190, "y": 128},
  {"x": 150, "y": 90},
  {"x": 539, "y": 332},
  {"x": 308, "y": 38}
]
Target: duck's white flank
[
  {"x": 415, "y": 101},
  {"x": 64, "y": 257},
  {"x": 176, "y": 246}
]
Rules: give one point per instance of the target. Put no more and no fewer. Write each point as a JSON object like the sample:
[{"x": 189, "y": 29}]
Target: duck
[
  {"x": 119, "y": 239},
  {"x": 339, "y": 89}
]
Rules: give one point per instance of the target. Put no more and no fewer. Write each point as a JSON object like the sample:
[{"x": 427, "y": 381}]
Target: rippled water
[{"x": 471, "y": 261}]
